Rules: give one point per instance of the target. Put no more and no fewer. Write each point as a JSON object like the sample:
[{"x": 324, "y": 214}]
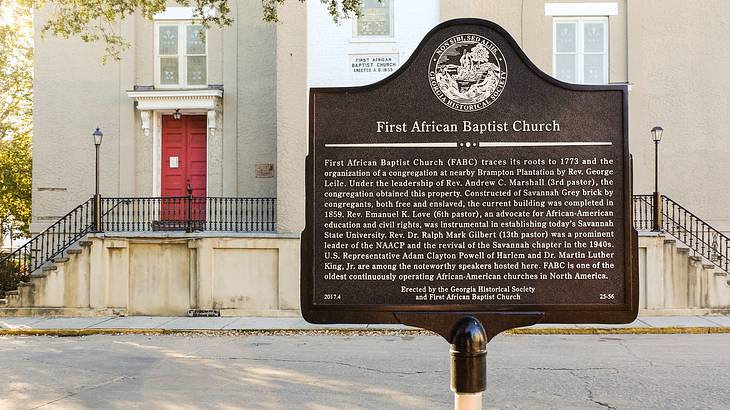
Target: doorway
[{"x": 183, "y": 171}]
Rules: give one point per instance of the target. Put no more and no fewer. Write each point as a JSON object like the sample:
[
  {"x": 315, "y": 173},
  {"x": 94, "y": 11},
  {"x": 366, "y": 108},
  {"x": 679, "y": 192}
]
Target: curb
[
  {"x": 344, "y": 331},
  {"x": 209, "y": 332},
  {"x": 621, "y": 331}
]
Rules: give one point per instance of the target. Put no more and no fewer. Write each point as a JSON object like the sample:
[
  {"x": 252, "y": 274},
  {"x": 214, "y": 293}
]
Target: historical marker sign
[{"x": 468, "y": 182}]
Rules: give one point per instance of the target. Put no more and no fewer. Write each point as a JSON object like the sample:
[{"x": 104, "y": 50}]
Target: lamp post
[
  {"x": 656, "y": 135},
  {"x": 11, "y": 225},
  {"x": 98, "y": 135}
]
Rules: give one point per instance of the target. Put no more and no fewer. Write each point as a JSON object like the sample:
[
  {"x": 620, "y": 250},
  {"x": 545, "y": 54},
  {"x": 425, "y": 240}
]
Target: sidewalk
[{"x": 649, "y": 324}]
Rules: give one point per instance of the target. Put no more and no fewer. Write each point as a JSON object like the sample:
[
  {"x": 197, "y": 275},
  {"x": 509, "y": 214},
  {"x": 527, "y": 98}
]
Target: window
[
  {"x": 180, "y": 55},
  {"x": 580, "y": 50},
  {"x": 376, "y": 19}
]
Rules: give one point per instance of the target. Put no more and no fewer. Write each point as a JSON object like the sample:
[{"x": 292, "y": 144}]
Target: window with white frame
[
  {"x": 375, "y": 20},
  {"x": 181, "y": 55},
  {"x": 580, "y": 49}
]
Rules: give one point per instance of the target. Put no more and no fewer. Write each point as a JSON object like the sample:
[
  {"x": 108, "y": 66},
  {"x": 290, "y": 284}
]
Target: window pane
[
  {"x": 565, "y": 38},
  {"x": 375, "y": 19},
  {"x": 565, "y": 67},
  {"x": 195, "y": 40},
  {"x": 168, "y": 40},
  {"x": 168, "y": 70},
  {"x": 594, "y": 36},
  {"x": 593, "y": 69},
  {"x": 196, "y": 71}
]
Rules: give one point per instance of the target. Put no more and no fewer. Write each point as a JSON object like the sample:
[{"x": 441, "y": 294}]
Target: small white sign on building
[{"x": 374, "y": 63}]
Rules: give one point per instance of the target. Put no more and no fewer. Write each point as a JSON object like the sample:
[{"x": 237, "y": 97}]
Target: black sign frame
[{"x": 441, "y": 318}]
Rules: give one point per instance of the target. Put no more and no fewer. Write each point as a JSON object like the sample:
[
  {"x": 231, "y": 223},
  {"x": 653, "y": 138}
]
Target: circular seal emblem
[{"x": 467, "y": 72}]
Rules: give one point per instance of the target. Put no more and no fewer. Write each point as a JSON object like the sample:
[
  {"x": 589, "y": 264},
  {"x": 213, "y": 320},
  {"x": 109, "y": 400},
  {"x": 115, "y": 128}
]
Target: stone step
[
  {"x": 695, "y": 258},
  {"x": 3, "y": 302},
  {"x": 23, "y": 284},
  {"x": 669, "y": 241},
  {"x": 61, "y": 259},
  {"x": 73, "y": 251},
  {"x": 12, "y": 292},
  {"x": 49, "y": 268},
  {"x": 85, "y": 243}
]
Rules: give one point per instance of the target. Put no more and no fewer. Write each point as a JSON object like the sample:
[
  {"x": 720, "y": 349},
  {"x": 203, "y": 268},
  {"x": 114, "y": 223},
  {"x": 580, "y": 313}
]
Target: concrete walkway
[{"x": 295, "y": 323}]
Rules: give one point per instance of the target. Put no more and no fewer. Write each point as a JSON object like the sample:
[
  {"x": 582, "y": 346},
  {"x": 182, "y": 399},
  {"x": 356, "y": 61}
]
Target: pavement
[
  {"x": 332, "y": 371},
  {"x": 715, "y": 324}
]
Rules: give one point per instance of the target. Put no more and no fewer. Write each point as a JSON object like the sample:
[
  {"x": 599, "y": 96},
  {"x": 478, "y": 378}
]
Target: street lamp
[
  {"x": 98, "y": 135},
  {"x": 656, "y": 135}
]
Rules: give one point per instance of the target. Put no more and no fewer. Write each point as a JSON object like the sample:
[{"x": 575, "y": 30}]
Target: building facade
[
  {"x": 235, "y": 89},
  {"x": 225, "y": 113},
  {"x": 221, "y": 84},
  {"x": 209, "y": 115}
]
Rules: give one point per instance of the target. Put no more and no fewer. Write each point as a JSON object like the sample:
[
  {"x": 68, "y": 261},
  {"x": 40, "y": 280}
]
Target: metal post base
[{"x": 467, "y": 401}]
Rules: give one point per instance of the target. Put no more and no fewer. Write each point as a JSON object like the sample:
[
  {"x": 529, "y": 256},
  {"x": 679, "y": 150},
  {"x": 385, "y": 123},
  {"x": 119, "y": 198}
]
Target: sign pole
[{"x": 468, "y": 363}]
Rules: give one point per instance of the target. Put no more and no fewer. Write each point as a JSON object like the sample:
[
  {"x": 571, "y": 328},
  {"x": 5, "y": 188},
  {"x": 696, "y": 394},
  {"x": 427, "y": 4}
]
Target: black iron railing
[
  {"x": 700, "y": 237},
  {"x": 188, "y": 214},
  {"x": 643, "y": 212},
  {"x": 695, "y": 233},
  {"x": 184, "y": 213}
]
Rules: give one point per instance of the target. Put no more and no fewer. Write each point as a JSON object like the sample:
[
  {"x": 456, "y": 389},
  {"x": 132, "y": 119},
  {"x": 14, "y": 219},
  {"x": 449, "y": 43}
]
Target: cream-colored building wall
[
  {"x": 254, "y": 111},
  {"x": 144, "y": 51},
  {"x": 169, "y": 274},
  {"x": 677, "y": 67},
  {"x": 291, "y": 109},
  {"x": 75, "y": 95},
  {"x": 507, "y": 14}
]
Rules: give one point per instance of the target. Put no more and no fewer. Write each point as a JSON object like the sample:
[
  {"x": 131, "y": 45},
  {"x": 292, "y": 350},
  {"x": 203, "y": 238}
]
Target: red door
[{"x": 183, "y": 165}]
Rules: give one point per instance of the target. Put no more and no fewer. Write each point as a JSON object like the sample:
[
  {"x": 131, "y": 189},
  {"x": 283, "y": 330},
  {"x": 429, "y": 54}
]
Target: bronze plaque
[
  {"x": 469, "y": 182},
  {"x": 264, "y": 170}
]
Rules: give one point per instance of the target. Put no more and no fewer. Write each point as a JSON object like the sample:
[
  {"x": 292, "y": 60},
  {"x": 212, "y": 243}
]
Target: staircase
[
  {"x": 674, "y": 280},
  {"x": 702, "y": 239},
  {"x": 44, "y": 272},
  {"x": 37, "y": 256},
  {"x": 46, "y": 287},
  {"x": 690, "y": 258}
]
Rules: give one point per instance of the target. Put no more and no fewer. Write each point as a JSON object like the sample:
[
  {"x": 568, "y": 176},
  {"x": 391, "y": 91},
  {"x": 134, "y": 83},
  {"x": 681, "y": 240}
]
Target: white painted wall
[{"x": 332, "y": 48}]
